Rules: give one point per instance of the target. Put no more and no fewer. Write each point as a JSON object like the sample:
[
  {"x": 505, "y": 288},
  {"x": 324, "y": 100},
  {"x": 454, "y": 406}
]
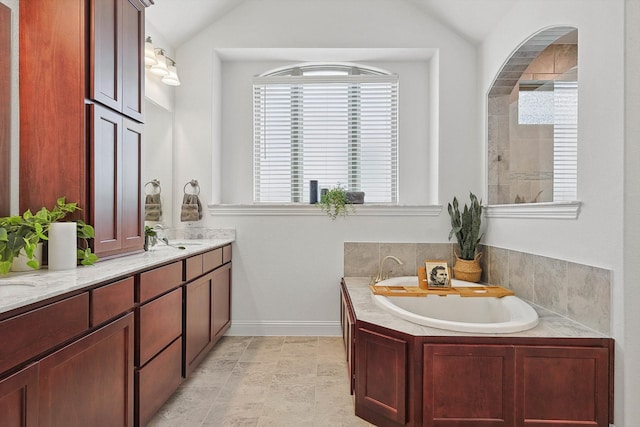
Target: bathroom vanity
[
  {"x": 559, "y": 373},
  {"x": 109, "y": 344}
]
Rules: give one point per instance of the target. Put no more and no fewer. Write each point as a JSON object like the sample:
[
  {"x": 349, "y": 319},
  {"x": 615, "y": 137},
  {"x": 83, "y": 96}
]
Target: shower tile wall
[
  {"x": 577, "y": 291},
  {"x": 521, "y": 155}
]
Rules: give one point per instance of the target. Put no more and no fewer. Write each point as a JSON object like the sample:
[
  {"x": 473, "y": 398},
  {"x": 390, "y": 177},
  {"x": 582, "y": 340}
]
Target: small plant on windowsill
[{"x": 335, "y": 203}]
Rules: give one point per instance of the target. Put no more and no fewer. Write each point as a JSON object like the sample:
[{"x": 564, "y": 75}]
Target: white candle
[{"x": 62, "y": 246}]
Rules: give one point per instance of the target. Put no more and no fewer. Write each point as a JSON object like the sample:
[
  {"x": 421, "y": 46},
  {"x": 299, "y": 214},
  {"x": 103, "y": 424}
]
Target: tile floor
[{"x": 266, "y": 381}]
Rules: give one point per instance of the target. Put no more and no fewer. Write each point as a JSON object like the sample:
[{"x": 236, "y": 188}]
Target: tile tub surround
[{"x": 580, "y": 292}]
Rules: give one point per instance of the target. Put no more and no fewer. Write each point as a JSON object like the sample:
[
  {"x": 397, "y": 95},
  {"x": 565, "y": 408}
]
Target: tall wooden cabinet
[{"x": 81, "y": 97}]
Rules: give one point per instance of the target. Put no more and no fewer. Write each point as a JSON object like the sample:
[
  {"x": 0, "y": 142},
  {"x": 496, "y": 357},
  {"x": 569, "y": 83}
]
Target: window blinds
[{"x": 334, "y": 129}]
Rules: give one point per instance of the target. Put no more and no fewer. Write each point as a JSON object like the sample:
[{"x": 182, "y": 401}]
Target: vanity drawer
[
  {"x": 212, "y": 260},
  {"x": 159, "y": 323},
  {"x": 37, "y": 331},
  {"x": 157, "y": 381},
  {"x": 193, "y": 267},
  {"x": 111, "y": 300},
  {"x": 226, "y": 254},
  {"x": 157, "y": 281}
]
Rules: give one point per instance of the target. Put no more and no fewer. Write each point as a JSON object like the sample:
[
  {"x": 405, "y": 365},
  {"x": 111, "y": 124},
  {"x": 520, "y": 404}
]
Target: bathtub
[{"x": 488, "y": 315}]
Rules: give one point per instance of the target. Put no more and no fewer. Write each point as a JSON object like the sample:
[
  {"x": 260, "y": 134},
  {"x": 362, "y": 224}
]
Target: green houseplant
[
  {"x": 465, "y": 226},
  {"x": 23, "y": 233},
  {"x": 335, "y": 202}
]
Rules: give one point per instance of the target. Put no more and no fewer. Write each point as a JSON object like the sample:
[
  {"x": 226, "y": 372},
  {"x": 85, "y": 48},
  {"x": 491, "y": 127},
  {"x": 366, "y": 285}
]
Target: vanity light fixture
[
  {"x": 171, "y": 79},
  {"x": 160, "y": 64}
]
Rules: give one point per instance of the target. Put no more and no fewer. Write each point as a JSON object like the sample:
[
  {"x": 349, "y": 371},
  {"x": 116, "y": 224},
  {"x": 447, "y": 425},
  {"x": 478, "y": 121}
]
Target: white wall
[
  {"x": 287, "y": 268},
  {"x": 596, "y": 237}
]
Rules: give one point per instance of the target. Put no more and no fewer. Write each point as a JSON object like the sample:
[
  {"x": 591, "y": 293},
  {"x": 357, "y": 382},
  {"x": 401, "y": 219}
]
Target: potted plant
[
  {"x": 24, "y": 233},
  {"x": 335, "y": 203},
  {"x": 465, "y": 226}
]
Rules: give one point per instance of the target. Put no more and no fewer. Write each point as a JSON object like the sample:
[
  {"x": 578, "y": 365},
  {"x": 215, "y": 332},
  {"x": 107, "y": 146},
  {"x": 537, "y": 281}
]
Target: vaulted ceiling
[{"x": 179, "y": 20}]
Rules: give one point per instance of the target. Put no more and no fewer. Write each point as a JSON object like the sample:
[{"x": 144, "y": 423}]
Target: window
[{"x": 337, "y": 124}]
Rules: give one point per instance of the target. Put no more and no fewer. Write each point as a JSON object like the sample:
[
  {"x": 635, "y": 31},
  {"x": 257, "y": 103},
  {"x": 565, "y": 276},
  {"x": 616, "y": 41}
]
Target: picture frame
[{"x": 438, "y": 274}]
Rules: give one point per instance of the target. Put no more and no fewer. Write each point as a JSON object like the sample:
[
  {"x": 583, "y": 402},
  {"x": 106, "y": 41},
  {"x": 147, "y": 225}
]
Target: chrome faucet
[{"x": 381, "y": 275}]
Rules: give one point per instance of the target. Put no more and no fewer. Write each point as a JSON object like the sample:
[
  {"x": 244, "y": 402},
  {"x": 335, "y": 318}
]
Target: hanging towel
[
  {"x": 152, "y": 202},
  {"x": 191, "y": 207}
]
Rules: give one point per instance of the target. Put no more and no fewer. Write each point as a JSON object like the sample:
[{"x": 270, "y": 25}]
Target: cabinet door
[
  {"x": 116, "y": 146},
  {"x": 105, "y": 31},
  {"x": 90, "y": 382},
  {"x": 468, "y": 385},
  {"x": 381, "y": 377},
  {"x": 116, "y": 55},
  {"x": 132, "y": 59},
  {"x": 198, "y": 326},
  {"x": 131, "y": 188},
  {"x": 221, "y": 303},
  {"x": 106, "y": 156},
  {"x": 19, "y": 398},
  {"x": 562, "y": 386}
]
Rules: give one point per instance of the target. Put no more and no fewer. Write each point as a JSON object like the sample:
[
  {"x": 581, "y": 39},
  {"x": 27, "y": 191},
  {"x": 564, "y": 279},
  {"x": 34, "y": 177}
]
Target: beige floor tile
[{"x": 266, "y": 381}]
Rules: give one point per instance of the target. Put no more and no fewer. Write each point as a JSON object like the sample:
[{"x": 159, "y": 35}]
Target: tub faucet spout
[{"x": 380, "y": 275}]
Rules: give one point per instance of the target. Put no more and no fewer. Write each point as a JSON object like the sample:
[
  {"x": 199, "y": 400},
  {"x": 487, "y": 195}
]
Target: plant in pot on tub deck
[
  {"x": 465, "y": 226},
  {"x": 22, "y": 234}
]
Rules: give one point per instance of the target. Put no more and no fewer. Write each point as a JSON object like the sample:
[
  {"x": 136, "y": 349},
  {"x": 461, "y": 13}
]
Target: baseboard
[{"x": 284, "y": 328}]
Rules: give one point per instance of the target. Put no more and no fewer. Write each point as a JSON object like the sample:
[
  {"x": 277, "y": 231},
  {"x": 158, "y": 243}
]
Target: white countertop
[
  {"x": 550, "y": 325},
  {"x": 22, "y": 289}
]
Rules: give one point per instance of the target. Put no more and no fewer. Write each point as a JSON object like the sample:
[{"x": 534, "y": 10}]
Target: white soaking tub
[{"x": 489, "y": 315}]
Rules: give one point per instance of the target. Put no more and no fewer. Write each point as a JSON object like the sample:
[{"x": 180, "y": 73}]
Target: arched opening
[{"x": 532, "y": 122}]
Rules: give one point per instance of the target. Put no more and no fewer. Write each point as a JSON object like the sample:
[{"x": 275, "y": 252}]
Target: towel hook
[
  {"x": 195, "y": 185},
  {"x": 156, "y": 186}
]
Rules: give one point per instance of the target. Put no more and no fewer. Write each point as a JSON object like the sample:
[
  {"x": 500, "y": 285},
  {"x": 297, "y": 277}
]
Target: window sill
[
  {"x": 312, "y": 210},
  {"x": 550, "y": 210}
]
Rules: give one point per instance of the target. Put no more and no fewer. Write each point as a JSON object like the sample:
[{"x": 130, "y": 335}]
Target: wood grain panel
[
  {"x": 221, "y": 302},
  {"x": 111, "y": 300},
  {"x": 90, "y": 382},
  {"x": 562, "y": 386},
  {"x": 382, "y": 375},
  {"x": 160, "y": 322},
  {"x": 157, "y": 381},
  {"x": 19, "y": 398},
  {"x": 470, "y": 384},
  {"x": 32, "y": 333},
  {"x": 159, "y": 280},
  {"x": 211, "y": 260},
  {"x": 193, "y": 267},
  {"x": 198, "y": 321}
]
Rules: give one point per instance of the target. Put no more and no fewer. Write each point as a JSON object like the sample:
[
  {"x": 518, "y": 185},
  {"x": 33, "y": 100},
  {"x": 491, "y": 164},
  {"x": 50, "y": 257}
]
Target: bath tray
[{"x": 463, "y": 291}]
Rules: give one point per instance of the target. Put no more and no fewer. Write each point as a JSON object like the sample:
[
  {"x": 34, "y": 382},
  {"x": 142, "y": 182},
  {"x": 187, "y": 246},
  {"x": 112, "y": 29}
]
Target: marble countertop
[
  {"x": 550, "y": 325},
  {"x": 22, "y": 289}
]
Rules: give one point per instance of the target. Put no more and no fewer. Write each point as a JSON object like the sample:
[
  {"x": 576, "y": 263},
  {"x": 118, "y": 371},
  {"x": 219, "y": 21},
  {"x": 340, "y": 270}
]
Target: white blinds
[
  {"x": 334, "y": 129},
  {"x": 565, "y": 141}
]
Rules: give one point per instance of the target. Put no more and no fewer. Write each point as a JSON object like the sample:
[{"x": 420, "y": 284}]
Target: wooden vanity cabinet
[
  {"x": 207, "y": 305},
  {"x": 70, "y": 362},
  {"x": 79, "y": 60},
  {"x": 158, "y": 359}
]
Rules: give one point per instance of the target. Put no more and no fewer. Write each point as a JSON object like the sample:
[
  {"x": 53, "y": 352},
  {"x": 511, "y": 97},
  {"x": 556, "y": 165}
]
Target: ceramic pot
[
  {"x": 468, "y": 270},
  {"x": 20, "y": 263}
]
